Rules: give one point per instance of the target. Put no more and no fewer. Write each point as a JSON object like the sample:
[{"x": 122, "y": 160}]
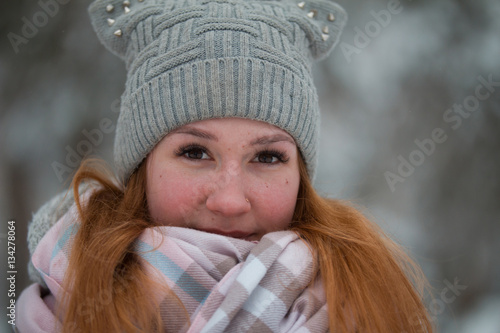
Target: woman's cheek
[
  {"x": 278, "y": 199},
  {"x": 165, "y": 197},
  {"x": 178, "y": 202}
]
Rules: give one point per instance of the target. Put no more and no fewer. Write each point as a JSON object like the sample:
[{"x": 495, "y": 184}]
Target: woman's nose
[{"x": 228, "y": 194}]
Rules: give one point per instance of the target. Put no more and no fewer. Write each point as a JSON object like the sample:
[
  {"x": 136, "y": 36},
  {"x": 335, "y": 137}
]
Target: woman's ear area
[
  {"x": 150, "y": 157},
  {"x": 148, "y": 160}
]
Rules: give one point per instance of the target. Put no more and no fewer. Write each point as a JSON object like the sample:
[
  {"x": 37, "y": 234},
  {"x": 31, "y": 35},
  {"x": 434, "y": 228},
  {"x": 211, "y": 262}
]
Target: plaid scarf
[{"x": 225, "y": 284}]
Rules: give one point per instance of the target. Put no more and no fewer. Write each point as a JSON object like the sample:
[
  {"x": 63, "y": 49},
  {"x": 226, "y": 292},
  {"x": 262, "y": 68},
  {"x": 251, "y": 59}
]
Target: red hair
[
  {"x": 370, "y": 284},
  {"x": 109, "y": 290}
]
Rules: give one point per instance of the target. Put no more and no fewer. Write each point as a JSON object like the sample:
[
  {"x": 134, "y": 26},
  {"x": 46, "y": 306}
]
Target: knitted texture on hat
[{"x": 190, "y": 60}]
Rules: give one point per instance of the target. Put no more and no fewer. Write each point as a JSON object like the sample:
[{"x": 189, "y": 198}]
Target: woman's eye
[
  {"x": 196, "y": 154},
  {"x": 192, "y": 152},
  {"x": 266, "y": 158},
  {"x": 271, "y": 157}
]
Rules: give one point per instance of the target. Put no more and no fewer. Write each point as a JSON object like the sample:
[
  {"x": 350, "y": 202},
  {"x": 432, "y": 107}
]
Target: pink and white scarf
[{"x": 225, "y": 284}]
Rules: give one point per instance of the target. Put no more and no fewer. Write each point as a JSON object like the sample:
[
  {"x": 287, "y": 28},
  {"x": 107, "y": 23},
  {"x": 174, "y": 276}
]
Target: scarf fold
[{"x": 225, "y": 284}]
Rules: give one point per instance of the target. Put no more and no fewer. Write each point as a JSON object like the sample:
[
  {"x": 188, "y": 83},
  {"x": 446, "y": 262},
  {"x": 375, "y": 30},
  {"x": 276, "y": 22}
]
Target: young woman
[{"x": 211, "y": 223}]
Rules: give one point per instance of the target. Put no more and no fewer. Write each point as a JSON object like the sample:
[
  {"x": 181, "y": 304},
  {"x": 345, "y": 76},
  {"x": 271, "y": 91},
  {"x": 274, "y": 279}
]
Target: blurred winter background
[{"x": 411, "y": 131}]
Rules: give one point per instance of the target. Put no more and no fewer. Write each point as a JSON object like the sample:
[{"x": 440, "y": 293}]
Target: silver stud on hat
[
  {"x": 330, "y": 17},
  {"x": 312, "y": 13},
  {"x": 126, "y": 6},
  {"x": 325, "y": 34},
  {"x": 301, "y": 5},
  {"x": 110, "y": 8},
  {"x": 118, "y": 33},
  {"x": 111, "y": 22}
]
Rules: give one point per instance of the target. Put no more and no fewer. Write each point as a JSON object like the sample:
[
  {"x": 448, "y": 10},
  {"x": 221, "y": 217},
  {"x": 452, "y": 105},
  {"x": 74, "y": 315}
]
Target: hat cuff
[{"x": 216, "y": 88}]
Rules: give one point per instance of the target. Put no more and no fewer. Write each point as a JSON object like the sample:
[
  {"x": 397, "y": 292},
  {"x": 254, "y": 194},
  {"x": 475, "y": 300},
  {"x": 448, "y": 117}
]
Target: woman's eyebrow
[
  {"x": 263, "y": 140},
  {"x": 195, "y": 132},
  {"x": 268, "y": 139}
]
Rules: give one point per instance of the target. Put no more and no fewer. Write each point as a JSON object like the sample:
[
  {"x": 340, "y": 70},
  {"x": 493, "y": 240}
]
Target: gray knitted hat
[{"x": 190, "y": 60}]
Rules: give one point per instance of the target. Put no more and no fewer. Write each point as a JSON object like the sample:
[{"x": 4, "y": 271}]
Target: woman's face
[{"x": 231, "y": 176}]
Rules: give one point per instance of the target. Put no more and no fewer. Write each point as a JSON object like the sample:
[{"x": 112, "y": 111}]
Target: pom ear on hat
[
  {"x": 323, "y": 22},
  {"x": 114, "y": 21}
]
